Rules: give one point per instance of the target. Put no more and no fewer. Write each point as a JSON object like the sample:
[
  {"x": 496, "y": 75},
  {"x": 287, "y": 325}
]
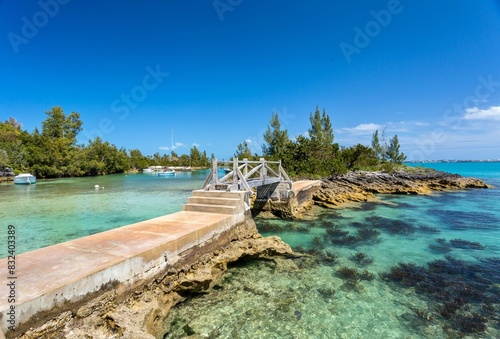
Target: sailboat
[{"x": 168, "y": 172}]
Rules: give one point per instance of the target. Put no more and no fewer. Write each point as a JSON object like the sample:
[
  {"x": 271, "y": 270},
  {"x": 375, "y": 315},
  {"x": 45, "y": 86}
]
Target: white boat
[
  {"x": 25, "y": 179},
  {"x": 148, "y": 170},
  {"x": 168, "y": 173}
]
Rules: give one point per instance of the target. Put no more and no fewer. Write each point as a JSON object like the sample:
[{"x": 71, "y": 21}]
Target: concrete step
[
  {"x": 211, "y": 208},
  {"x": 214, "y": 201},
  {"x": 219, "y": 194}
]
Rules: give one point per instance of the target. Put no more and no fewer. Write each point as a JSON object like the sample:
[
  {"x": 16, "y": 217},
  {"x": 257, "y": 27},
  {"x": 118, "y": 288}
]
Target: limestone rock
[{"x": 361, "y": 186}]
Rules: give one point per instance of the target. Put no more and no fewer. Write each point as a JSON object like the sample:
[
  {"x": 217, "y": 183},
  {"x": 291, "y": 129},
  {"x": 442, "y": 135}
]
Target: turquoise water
[
  {"x": 57, "y": 210},
  {"x": 320, "y": 296},
  {"x": 447, "y": 286}
]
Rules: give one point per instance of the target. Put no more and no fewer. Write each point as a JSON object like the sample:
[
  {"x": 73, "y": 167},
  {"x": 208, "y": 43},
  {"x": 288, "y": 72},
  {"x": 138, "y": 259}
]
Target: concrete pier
[
  {"x": 49, "y": 281},
  {"x": 62, "y": 277},
  {"x": 285, "y": 202}
]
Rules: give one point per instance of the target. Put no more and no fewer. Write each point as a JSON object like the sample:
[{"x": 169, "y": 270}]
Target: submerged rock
[{"x": 298, "y": 314}]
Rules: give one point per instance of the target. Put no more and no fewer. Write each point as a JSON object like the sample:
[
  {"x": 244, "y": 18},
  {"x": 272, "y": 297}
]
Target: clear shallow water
[
  {"x": 451, "y": 291},
  {"x": 58, "y": 210}
]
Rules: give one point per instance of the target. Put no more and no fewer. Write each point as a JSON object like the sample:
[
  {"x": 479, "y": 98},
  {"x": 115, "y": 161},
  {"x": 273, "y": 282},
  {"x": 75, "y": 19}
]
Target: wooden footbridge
[
  {"x": 245, "y": 175},
  {"x": 230, "y": 194}
]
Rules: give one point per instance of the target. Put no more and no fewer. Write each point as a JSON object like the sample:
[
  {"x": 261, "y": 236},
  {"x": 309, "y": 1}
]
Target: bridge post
[
  {"x": 263, "y": 171},
  {"x": 245, "y": 169},
  {"x": 235, "y": 171},
  {"x": 215, "y": 170}
]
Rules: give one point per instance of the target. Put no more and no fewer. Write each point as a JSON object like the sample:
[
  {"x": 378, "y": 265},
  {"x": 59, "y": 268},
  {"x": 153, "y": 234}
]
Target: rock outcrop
[
  {"x": 356, "y": 186},
  {"x": 362, "y": 186},
  {"x": 141, "y": 314}
]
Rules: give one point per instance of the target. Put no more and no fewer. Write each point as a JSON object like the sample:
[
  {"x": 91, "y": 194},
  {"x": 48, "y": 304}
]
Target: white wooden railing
[{"x": 245, "y": 174}]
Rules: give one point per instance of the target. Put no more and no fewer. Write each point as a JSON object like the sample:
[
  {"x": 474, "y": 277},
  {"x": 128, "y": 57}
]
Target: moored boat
[
  {"x": 25, "y": 179},
  {"x": 166, "y": 173}
]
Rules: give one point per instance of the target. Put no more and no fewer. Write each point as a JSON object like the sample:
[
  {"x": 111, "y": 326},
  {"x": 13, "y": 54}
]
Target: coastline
[
  {"x": 362, "y": 186},
  {"x": 142, "y": 311}
]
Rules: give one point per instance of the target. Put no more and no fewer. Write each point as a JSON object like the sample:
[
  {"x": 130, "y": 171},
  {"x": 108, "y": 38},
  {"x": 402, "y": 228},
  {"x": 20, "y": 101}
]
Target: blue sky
[{"x": 214, "y": 71}]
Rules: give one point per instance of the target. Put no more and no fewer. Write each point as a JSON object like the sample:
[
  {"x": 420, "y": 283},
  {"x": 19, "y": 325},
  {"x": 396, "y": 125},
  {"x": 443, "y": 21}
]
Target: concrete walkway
[
  {"x": 50, "y": 276},
  {"x": 304, "y": 185}
]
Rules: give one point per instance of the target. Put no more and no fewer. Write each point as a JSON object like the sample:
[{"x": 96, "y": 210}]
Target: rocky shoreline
[{"x": 362, "y": 186}]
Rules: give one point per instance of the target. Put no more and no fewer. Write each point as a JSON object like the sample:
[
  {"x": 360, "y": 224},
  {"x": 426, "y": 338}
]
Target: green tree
[
  {"x": 12, "y": 141},
  {"x": 204, "y": 159},
  {"x": 321, "y": 128},
  {"x": 383, "y": 141},
  {"x": 53, "y": 152},
  {"x": 243, "y": 151},
  {"x": 184, "y": 160},
  {"x": 276, "y": 139},
  {"x": 393, "y": 153},
  {"x": 101, "y": 157},
  {"x": 195, "y": 156},
  {"x": 137, "y": 160},
  {"x": 359, "y": 157},
  {"x": 376, "y": 146},
  {"x": 10, "y": 130},
  {"x": 156, "y": 159},
  {"x": 59, "y": 126},
  {"x": 4, "y": 158},
  {"x": 321, "y": 151}
]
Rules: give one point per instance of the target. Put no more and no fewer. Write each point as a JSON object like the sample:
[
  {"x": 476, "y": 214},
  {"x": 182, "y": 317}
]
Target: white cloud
[
  {"x": 363, "y": 128},
  {"x": 492, "y": 113},
  {"x": 196, "y": 145},
  {"x": 248, "y": 141},
  {"x": 174, "y": 146},
  {"x": 423, "y": 124}
]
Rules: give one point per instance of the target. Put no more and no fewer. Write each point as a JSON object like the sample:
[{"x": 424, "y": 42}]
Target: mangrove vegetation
[{"x": 54, "y": 151}]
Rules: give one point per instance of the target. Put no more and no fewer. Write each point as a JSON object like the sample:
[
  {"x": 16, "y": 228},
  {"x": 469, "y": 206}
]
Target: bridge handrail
[
  {"x": 241, "y": 174},
  {"x": 249, "y": 162}
]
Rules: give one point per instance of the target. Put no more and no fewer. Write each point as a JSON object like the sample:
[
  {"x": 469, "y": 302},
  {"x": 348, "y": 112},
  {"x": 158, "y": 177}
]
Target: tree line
[
  {"x": 317, "y": 155},
  {"x": 54, "y": 151}
]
